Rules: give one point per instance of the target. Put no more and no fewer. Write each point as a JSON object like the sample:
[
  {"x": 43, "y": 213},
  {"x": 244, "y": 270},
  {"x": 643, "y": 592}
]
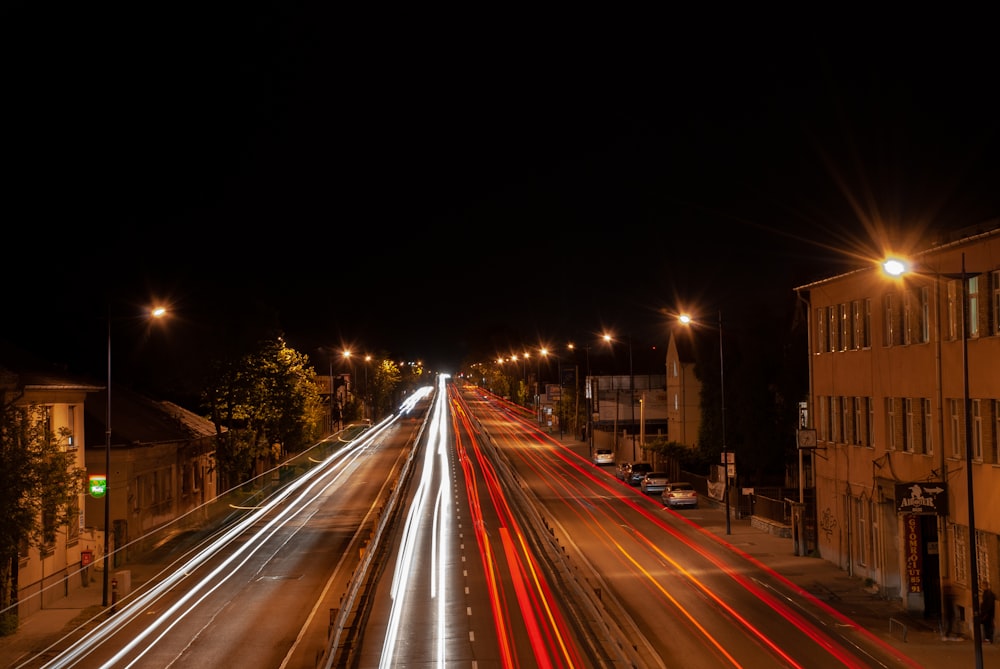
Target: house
[
  {"x": 47, "y": 573},
  {"x": 683, "y": 391},
  {"x": 904, "y": 403},
  {"x": 161, "y": 458}
]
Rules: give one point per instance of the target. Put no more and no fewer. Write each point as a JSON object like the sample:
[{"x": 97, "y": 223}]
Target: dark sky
[{"x": 430, "y": 184}]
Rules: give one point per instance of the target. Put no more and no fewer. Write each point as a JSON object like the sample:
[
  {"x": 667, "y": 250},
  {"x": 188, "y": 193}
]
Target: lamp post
[
  {"x": 364, "y": 397},
  {"x": 631, "y": 387},
  {"x": 687, "y": 320},
  {"x": 895, "y": 267},
  {"x": 156, "y": 312},
  {"x": 590, "y": 412}
]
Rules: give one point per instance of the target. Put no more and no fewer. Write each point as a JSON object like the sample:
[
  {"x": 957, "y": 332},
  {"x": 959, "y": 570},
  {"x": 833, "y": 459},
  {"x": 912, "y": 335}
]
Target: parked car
[
  {"x": 621, "y": 471},
  {"x": 637, "y": 471},
  {"x": 604, "y": 456},
  {"x": 679, "y": 494},
  {"x": 654, "y": 482}
]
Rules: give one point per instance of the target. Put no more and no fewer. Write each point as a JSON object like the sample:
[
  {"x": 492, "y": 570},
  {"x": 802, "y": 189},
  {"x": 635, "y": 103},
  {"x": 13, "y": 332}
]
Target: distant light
[
  {"x": 894, "y": 267},
  {"x": 685, "y": 319},
  {"x": 159, "y": 312}
]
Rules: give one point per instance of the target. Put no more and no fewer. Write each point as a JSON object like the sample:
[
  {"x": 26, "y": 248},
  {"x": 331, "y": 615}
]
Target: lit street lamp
[
  {"x": 895, "y": 267},
  {"x": 156, "y": 312},
  {"x": 364, "y": 395},
  {"x": 687, "y": 320}
]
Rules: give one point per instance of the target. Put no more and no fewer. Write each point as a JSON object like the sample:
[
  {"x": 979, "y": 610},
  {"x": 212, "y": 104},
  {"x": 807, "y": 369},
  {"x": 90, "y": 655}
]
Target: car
[
  {"x": 637, "y": 471},
  {"x": 604, "y": 456},
  {"x": 679, "y": 494},
  {"x": 654, "y": 482},
  {"x": 621, "y": 470}
]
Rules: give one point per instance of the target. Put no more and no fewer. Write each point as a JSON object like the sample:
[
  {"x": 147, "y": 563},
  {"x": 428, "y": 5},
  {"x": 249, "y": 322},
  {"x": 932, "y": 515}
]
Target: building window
[
  {"x": 994, "y": 318},
  {"x": 823, "y": 427},
  {"x": 910, "y": 426},
  {"x": 834, "y": 419},
  {"x": 821, "y": 343},
  {"x": 890, "y": 423},
  {"x": 857, "y": 336},
  {"x": 927, "y": 431},
  {"x": 995, "y": 437},
  {"x": 960, "y": 540},
  {"x": 888, "y": 331},
  {"x": 70, "y": 427},
  {"x": 977, "y": 429},
  {"x": 952, "y": 307},
  {"x": 955, "y": 420},
  {"x": 831, "y": 330},
  {"x": 925, "y": 315},
  {"x": 845, "y": 327},
  {"x": 909, "y": 317},
  {"x": 870, "y": 423},
  {"x": 866, "y": 328},
  {"x": 862, "y": 548},
  {"x": 973, "y": 305},
  {"x": 848, "y": 410},
  {"x": 859, "y": 421}
]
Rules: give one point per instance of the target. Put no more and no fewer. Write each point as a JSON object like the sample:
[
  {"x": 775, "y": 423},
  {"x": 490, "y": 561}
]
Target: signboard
[
  {"x": 806, "y": 438},
  {"x": 912, "y": 543},
  {"x": 929, "y": 498},
  {"x": 98, "y": 485},
  {"x": 86, "y": 558}
]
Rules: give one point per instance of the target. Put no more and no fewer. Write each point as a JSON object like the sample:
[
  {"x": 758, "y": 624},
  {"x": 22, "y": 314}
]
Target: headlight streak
[
  {"x": 405, "y": 558},
  {"x": 130, "y": 609},
  {"x": 549, "y": 641},
  {"x": 783, "y": 609}
]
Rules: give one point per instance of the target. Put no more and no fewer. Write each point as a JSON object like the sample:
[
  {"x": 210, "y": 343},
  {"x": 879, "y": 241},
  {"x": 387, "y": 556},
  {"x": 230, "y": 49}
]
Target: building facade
[
  {"x": 47, "y": 573},
  {"x": 900, "y": 395}
]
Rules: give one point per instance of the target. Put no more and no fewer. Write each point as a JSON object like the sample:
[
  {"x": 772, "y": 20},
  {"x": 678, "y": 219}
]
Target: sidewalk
[{"x": 914, "y": 636}]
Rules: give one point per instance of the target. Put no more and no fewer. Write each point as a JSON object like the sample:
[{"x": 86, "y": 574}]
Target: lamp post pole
[
  {"x": 155, "y": 313},
  {"x": 631, "y": 394},
  {"x": 107, "y": 474},
  {"x": 895, "y": 268},
  {"x": 977, "y": 633},
  {"x": 725, "y": 452}
]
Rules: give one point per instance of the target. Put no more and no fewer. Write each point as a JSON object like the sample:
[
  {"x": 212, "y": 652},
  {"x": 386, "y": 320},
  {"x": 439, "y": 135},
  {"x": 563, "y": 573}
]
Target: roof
[
  {"x": 136, "y": 419},
  {"x": 22, "y": 370}
]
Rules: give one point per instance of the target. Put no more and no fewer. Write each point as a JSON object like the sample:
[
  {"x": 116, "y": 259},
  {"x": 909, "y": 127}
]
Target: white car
[
  {"x": 604, "y": 456},
  {"x": 654, "y": 482}
]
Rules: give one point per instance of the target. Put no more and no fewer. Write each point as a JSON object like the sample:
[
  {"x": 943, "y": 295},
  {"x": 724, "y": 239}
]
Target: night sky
[{"x": 430, "y": 185}]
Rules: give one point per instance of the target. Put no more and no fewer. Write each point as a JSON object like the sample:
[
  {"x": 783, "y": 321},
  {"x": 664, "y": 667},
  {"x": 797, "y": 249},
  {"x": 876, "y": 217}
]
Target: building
[
  {"x": 890, "y": 371},
  {"x": 683, "y": 392},
  {"x": 47, "y": 573},
  {"x": 161, "y": 468}
]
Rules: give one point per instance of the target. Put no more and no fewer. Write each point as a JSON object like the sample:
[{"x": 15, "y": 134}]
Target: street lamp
[
  {"x": 156, "y": 312},
  {"x": 364, "y": 396},
  {"x": 687, "y": 320},
  {"x": 896, "y": 267}
]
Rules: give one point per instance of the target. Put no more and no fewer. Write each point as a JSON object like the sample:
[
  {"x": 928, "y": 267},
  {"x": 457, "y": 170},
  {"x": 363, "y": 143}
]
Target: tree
[
  {"x": 39, "y": 491},
  {"x": 262, "y": 403}
]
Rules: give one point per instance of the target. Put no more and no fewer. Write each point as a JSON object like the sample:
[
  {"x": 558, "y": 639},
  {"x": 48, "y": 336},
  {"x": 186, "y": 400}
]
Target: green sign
[{"x": 98, "y": 485}]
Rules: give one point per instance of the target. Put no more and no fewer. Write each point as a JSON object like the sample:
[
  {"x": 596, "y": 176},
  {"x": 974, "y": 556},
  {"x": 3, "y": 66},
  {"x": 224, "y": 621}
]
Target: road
[
  {"x": 635, "y": 579},
  {"x": 256, "y": 591}
]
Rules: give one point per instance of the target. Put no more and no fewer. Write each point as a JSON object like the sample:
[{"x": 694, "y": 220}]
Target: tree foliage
[
  {"x": 263, "y": 403},
  {"x": 39, "y": 487}
]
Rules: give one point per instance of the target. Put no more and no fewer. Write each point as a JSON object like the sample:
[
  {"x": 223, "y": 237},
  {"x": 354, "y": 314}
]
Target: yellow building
[{"x": 889, "y": 365}]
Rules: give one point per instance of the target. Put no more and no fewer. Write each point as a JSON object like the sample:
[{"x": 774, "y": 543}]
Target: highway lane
[
  {"x": 682, "y": 596},
  {"x": 464, "y": 586},
  {"x": 256, "y": 591}
]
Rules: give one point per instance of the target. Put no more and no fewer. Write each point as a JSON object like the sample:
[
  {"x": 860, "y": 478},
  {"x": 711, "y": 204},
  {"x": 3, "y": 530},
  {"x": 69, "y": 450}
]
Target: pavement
[{"x": 887, "y": 619}]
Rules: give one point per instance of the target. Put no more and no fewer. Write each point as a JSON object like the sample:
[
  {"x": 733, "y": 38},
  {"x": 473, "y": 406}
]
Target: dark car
[
  {"x": 679, "y": 494},
  {"x": 637, "y": 471}
]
